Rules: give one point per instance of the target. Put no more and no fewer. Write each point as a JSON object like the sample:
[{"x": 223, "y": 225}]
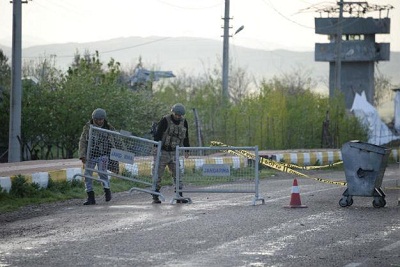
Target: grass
[{"x": 23, "y": 193}]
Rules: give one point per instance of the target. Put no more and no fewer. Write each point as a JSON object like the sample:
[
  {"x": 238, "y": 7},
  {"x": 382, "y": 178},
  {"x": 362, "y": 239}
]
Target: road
[{"x": 215, "y": 230}]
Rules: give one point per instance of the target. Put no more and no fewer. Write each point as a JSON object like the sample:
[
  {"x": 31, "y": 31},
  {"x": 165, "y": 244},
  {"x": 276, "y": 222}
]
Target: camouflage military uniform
[
  {"x": 102, "y": 154},
  {"x": 172, "y": 132},
  {"x": 173, "y": 136}
]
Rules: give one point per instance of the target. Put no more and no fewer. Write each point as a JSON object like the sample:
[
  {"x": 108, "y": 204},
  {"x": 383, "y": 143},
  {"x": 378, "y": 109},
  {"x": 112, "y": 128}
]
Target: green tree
[
  {"x": 85, "y": 87},
  {"x": 5, "y": 87},
  {"x": 90, "y": 85},
  {"x": 41, "y": 80},
  {"x": 344, "y": 126},
  {"x": 5, "y": 72}
]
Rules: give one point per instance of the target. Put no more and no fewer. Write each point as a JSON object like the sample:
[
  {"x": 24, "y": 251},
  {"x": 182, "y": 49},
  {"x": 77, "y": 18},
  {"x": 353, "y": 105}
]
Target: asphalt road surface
[{"x": 215, "y": 230}]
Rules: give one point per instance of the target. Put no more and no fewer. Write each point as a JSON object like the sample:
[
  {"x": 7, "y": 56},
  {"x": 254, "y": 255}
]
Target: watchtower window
[
  {"x": 347, "y": 37},
  {"x": 353, "y": 37}
]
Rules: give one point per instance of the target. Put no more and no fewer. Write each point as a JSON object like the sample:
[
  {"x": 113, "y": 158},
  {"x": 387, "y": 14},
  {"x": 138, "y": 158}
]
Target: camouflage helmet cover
[
  {"x": 99, "y": 114},
  {"x": 178, "y": 109}
]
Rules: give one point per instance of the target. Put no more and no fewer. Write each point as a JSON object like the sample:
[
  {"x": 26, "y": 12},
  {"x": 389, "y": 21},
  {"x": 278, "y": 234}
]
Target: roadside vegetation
[{"x": 23, "y": 193}]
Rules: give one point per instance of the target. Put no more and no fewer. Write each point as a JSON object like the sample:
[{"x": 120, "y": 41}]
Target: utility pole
[
  {"x": 338, "y": 61},
  {"x": 198, "y": 129},
  {"x": 225, "y": 55},
  {"x": 14, "y": 144}
]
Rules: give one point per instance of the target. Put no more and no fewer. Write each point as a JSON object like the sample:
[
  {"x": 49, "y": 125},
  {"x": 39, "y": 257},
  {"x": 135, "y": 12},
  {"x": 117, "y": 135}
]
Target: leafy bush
[
  {"x": 63, "y": 186},
  {"x": 21, "y": 188}
]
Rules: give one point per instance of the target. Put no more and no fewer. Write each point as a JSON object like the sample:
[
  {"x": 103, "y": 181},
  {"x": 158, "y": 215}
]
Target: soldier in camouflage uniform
[
  {"x": 172, "y": 130},
  {"x": 99, "y": 157}
]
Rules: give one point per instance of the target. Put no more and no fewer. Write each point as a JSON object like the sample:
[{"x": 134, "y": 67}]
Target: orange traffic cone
[{"x": 295, "y": 201}]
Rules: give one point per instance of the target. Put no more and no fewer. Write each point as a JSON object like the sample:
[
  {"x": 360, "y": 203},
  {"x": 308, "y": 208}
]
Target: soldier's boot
[
  {"x": 90, "y": 200},
  {"x": 107, "y": 192},
  {"x": 156, "y": 199},
  {"x": 182, "y": 201}
]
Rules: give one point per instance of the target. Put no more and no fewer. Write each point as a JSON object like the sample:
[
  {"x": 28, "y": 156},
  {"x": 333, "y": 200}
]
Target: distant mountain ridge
[{"x": 195, "y": 56}]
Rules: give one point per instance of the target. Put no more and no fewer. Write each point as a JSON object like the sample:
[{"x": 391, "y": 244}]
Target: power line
[
  {"x": 285, "y": 17},
  {"x": 134, "y": 46},
  {"x": 186, "y": 7},
  {"x": 115, "y": 50}
]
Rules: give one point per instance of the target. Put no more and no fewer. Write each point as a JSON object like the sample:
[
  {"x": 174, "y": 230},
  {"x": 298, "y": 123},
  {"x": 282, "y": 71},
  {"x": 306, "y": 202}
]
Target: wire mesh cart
[{"x": 364, "y": 166}]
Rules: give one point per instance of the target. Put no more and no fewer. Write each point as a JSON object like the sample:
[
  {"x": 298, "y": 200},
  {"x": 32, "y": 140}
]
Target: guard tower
[{"x": 352, "y": 50}]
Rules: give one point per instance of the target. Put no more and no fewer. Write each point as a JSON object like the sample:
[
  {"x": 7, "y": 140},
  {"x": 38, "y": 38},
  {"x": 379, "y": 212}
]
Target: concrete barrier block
[
  {"x": 5, "y": 183},
  {"x": 71, "y": 172},
  {"x": 41, "y": 178}
]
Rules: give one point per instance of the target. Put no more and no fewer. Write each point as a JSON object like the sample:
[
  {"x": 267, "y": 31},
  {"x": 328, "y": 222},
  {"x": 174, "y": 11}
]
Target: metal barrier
[
  {"x": 128, "y": 157},
  {"x": 217, "y": 170}
]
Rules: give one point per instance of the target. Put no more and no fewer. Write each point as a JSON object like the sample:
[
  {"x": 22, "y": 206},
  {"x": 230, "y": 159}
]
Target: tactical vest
[{"x": 174, "y": 135}]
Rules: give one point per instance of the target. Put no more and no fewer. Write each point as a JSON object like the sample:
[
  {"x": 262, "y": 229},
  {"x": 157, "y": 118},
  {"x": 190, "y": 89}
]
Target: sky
[{"x": 268, "y": 24}]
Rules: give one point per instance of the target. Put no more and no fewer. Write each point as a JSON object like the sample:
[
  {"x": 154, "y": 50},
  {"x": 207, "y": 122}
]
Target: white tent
[
  {"x": 397, "y": 111},
  {"x": 379, "y": 132}
]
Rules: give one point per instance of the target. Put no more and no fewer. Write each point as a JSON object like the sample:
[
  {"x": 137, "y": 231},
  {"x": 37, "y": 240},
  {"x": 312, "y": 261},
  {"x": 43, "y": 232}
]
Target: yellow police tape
[{"x": 284, "y": 167}]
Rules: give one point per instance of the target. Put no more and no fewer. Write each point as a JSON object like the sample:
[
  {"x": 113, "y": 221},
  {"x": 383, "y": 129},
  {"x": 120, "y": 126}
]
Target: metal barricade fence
[
  {"x": 217, "y": 170},
  {"x": 128, "y": 157}
]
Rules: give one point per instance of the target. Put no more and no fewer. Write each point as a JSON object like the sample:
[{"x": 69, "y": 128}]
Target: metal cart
[{"x": 364, "y": 166}]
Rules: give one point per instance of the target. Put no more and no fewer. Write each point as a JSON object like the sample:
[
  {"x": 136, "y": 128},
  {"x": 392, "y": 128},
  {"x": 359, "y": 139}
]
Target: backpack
[{"x": 153, "y": 128}]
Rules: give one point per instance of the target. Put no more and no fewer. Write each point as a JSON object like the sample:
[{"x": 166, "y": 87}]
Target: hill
[{"x": 196, "y": 56}]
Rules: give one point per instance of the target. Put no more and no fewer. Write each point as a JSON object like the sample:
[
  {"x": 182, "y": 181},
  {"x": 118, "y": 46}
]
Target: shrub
[{"x": 21, "y": 188}]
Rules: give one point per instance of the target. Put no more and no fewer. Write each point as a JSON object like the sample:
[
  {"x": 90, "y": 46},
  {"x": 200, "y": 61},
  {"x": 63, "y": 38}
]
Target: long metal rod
[
  {"x": 225, "y": 55},
  {"x": 14, "y": 144},
  {"x": 198, "y": 127},
  {"x": 338, "y": 61}
]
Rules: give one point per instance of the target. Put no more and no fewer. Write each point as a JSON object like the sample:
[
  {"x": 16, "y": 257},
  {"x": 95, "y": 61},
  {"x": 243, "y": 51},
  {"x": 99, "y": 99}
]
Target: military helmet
[
  {"x": 178, "y": 109},
  {"x": 99, "y": 114}
]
